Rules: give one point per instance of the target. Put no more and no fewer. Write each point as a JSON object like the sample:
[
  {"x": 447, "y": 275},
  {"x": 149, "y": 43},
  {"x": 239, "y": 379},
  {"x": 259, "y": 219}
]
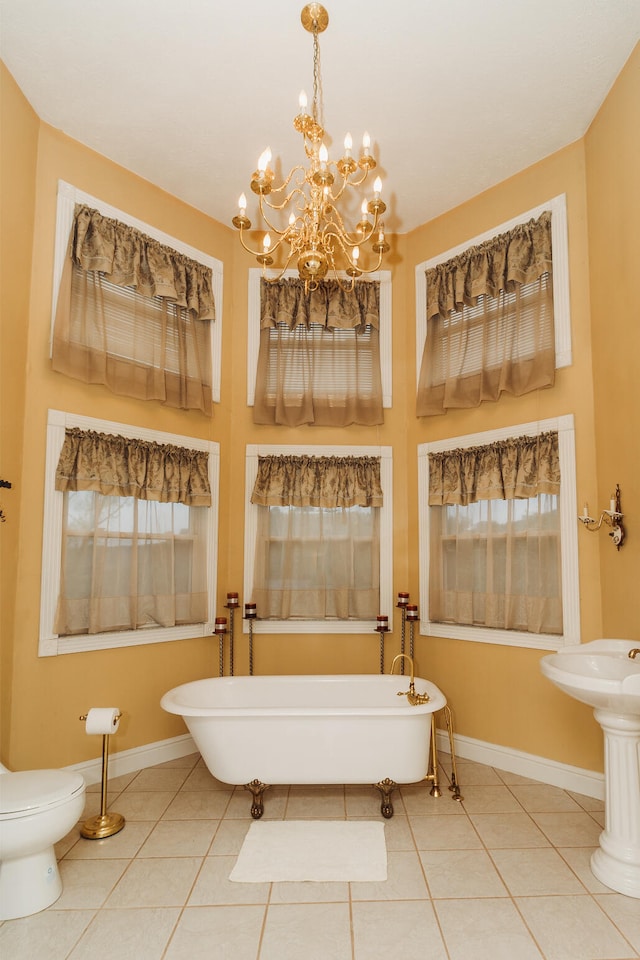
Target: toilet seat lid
[{"x": 29, "y": 789}]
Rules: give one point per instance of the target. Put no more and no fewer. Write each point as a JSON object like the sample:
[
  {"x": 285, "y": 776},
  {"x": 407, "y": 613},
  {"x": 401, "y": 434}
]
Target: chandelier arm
[{"x": 285, "y": 202}]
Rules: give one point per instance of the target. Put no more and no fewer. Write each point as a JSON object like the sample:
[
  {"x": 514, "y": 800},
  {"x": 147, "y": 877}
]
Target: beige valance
[
  {"x": 307, "y": 481},
  {"x": 519, "y": 256},
  {"x": 119, "y": 467},
  {"x": 517, "y": 468},
  {"x": 330, "y": 305},
  {"x": 128, "y": 258}
]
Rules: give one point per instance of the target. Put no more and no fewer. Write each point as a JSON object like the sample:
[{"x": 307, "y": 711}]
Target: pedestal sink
[{"x": 602, "y": 674}]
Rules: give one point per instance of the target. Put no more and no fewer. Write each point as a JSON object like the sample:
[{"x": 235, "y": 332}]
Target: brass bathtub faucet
[{"x": 415, "y": 699}]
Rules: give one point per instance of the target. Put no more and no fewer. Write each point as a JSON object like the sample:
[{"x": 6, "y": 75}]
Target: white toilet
[{"x": 37, "y": 808}]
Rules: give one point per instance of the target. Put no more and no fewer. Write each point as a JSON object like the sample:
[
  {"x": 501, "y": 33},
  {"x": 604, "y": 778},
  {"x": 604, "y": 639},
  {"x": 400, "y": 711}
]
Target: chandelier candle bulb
[
  {"x": 366, "y": 143},
  {"x": 348, "y": 144},
  {"x": 302, "y": 100}
]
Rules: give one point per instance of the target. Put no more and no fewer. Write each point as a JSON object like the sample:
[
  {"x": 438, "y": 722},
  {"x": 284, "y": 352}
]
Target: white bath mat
[{"x": 321, "y": 850}]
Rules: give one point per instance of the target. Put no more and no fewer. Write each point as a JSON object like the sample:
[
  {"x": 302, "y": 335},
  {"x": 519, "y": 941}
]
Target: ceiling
[{"x": 456, "y": 95}]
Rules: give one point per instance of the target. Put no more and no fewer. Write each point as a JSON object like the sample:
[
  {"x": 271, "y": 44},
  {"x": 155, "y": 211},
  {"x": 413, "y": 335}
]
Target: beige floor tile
[
  {"x": 573, "y": 928},
  {"x": 529, "y": 873},
  {"x": 156, "y": 882},
  {"x": 315, "y": 931},
  {"x": 148, "y": 805},
  {"x": 158, "y": 778},
  {"x": 405, "y": 880},
  {"x": 86, "y": 884},
  {"x": 508, "y": 830},
  {"x": 179, "y": 838},
  {"x": 472, "y": 774},
  {"x": 579, "y": 859},
  {"x": 396, "y": 928},
  {"x": 127, "y": 935},
  {"x": 489, "y": 799},
  {"x": 217, "y": 933},
  {"x": 444, "y": 833},
  {"x": 229, "y": 837},
  {"x": 454, "y": 874},
  {"x": 397, "y": 833},
  {"x": 188, "y": 763},
  {"x": 363, "y": 801},
  {"x": 316, "y": 802},
  {"x": 115, "y": 785},
  {"x": 310, "y": 892},
  {"x": 485, "y": 930},
  {"x": 200, "y": 779},
  {"x": 202, "y": 805},
  {"x": 124, "y": 844},
  {"x": 213, "y": 887},
  {"x": 543, "y": 798},
  {"x": 51, "y": 934},
  {"x": 569, "y": 829},
  {"x": 587, "y": 803},
  {"x": 625, "y": 913},
  {"x": 418, "y": 801}
]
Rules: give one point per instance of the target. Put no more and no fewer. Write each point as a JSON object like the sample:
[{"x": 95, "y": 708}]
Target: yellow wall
[
  {"x": 497, "y": 693},
  {"x": 18, "y": 152},
  {"x": 613, "y": 192}
]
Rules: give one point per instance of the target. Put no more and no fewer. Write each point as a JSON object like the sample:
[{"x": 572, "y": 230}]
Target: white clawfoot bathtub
[{"x": 349, "y": 729}]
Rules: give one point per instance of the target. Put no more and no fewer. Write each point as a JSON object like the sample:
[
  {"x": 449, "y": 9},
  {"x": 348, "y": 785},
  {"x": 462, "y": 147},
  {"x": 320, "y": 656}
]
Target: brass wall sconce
[{"x": 611, "y": 517}]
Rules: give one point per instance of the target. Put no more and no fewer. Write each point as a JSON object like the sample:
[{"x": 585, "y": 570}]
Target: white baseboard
[
  {"x": 586, "y": 782},
  {"x": 130, "y": 761}
]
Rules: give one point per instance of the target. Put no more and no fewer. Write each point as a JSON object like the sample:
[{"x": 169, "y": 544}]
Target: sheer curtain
[
  {"x": 134, "y": 315},
  {"x": 319, "y": 357},
  {"x": 490, "y": 321},
  {"x": 495, "y": 536},
  {"x": 318, "y": 544},
  {"x": 134, "y": 534}
]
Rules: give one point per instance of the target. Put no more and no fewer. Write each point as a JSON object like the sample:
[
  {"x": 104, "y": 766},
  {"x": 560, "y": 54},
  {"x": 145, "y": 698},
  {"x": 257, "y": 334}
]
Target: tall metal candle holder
[
  {"x": 250, "y": 614},
  {"x": 382, "y": 627},
  {"x": 403, "y": 600},
  {"x": 412, "y": 616},
  {"x": 231, "y": 605},
  {"x": 220, "y": 628}
]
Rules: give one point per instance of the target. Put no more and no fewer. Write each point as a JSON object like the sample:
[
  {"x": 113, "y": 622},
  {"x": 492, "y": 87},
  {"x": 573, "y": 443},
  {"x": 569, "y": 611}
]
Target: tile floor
[{"x": 505, "y": 874}]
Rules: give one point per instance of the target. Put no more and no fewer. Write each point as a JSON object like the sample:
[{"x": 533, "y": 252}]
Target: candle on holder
[
  {"x": 403, "y": 599},
  {"x": 220, "y": 625},
  {"x": 412, "y": 611},
  {"x": 250, "y": 612},
  {"x": 232, "y": 599},
  {"x": 612, "y": 504},
  {"x": 382, "y": 623},
  {"x": 585, "y": 511}
]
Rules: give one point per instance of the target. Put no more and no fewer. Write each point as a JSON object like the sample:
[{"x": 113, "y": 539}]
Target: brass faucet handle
[{"x": 633, "y": 653}]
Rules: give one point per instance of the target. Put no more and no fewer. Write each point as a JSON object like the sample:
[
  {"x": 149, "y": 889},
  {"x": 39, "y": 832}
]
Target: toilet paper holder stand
[{"x": 104, "y": 824}]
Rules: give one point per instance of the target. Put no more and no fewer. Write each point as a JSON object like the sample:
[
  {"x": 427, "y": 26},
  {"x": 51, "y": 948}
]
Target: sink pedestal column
[{"x": 616, "y": 863}]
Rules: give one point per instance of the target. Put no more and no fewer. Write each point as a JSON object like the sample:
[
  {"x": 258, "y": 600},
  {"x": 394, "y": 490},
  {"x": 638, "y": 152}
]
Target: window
[
  {"x": 497, "y": 565},
  {"x": 125, "y": 276},
  {"x": 317, "y": 568},
  {"x": 490, "y": 317},
  {"x": 124, "y": 566},
  {"x": 337, "y": 339}
]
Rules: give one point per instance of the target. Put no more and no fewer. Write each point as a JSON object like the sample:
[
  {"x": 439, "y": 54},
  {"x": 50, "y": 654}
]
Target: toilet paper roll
[{"x": 102, "y": 720}]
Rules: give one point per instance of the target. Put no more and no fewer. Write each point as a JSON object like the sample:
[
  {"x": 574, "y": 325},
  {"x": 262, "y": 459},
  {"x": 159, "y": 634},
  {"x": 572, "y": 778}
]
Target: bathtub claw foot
[
  {"x": 257, "y": 789},
  {"x": 386, "y": 788}
]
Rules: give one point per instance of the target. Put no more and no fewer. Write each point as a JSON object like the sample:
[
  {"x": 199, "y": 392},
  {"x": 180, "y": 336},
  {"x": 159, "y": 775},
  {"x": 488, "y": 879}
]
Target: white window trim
[
  {"x": 561, "y": 299},
  {"x": 253, "y": 329},
  {"x": 50, "y": 644},
  {"x": 386, "y": 535},
  {"x": 568, "y": 538},
  {"x": 68, "y": 196}
]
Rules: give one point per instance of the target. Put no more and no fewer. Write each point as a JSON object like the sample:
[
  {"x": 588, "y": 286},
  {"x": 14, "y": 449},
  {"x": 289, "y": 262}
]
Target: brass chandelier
[{"x": 316, "y": 238}]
